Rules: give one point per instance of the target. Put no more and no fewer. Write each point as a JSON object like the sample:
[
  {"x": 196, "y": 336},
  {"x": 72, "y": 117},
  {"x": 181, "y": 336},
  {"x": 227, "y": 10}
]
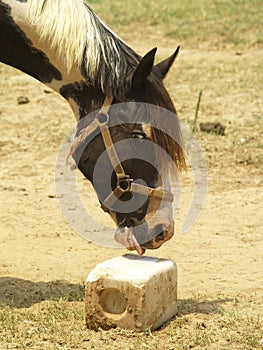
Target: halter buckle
[{"x": 124, "y": 183}]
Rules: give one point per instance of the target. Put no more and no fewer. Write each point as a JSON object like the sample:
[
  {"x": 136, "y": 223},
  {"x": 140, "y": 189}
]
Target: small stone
[
  {"x": 214, "y": 128},
  {"x": 22, "y": 100},
  {"x": 243, "y": 140}
]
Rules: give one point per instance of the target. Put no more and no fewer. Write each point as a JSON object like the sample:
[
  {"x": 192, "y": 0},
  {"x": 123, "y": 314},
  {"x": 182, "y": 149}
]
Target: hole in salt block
[{"x": 113, "y": 301}]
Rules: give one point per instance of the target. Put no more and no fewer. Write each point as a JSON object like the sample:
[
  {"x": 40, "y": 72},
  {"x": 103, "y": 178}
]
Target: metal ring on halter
[
  {"x": 124, "y": 183},
  {"x": 102, "y": 118}
]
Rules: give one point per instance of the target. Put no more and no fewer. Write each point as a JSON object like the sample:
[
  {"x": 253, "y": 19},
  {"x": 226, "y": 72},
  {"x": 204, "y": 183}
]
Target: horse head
[{"x": 128, "y": 150}]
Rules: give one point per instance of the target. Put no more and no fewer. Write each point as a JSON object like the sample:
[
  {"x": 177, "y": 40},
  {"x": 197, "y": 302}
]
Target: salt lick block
[{"x": 131, "y": 292}]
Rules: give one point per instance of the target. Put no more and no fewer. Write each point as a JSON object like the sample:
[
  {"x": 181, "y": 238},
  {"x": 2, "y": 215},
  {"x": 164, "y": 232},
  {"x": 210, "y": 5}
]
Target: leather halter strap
[{"x": 124, "y": 182}]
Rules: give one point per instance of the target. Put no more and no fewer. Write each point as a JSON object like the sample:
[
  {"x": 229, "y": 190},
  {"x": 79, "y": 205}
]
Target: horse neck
[{"x": 25, "y": 51}]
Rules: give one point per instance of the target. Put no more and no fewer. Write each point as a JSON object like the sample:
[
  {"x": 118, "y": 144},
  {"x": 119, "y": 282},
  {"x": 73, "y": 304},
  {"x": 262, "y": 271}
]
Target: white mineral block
[{"x": 131, "y": 292}]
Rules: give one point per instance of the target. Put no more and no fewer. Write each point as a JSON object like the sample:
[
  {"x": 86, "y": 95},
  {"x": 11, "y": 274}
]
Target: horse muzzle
[{"x": 142, "y": 237}]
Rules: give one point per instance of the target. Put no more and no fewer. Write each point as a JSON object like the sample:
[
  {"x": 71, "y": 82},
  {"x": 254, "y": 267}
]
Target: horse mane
[{"x": 80, "y": 38}]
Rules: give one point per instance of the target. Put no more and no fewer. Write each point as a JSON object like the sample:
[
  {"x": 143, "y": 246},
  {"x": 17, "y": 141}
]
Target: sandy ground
[{"x": 41, "y": 257}]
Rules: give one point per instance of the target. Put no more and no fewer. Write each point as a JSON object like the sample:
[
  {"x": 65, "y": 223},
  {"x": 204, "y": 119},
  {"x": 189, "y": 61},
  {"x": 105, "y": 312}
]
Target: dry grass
[{"x": 203, "y": 323}]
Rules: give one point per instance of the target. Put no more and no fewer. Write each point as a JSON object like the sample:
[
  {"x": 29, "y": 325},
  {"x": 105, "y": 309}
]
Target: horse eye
[{"x": 138, "y": 135}]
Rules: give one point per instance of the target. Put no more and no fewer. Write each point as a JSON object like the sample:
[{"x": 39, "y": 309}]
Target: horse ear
[
  {"x": 144, "y": 68},
  {"x": 164, "y": 66}
]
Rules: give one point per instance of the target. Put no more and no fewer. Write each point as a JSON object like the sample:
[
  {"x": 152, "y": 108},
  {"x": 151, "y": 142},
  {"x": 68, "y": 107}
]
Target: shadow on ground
[
  {"x": 192, "y": 306},
  {"x": 197, "y": 307},
  {"x": 20, "y": 293}
]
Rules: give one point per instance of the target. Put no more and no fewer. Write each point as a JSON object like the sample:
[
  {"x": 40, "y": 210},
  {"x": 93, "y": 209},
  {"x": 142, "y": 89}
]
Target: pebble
[{"x": 22, "y": 100}]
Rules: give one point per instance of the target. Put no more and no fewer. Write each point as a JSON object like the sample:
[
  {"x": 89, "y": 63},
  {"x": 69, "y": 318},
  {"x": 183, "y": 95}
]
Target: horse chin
[{"x": 157, "y": 241}]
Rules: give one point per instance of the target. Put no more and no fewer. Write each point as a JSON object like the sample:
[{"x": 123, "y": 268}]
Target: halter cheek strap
[{"x": 124, "y": 182}]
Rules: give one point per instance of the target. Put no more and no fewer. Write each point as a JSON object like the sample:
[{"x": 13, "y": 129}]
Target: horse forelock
[
  {"x": 80, "y": 38},
  {"x": 158, "y": 109},
  {"x": 166, "y": 132}
]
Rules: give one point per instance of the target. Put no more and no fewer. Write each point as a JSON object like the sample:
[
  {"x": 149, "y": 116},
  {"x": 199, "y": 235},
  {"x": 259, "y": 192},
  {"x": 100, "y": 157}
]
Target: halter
[{"x": 124, "y": 182}]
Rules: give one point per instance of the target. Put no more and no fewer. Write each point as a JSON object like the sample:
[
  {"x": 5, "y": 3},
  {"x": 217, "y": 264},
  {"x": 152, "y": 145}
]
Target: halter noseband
[{"x": 124, "y": 182}]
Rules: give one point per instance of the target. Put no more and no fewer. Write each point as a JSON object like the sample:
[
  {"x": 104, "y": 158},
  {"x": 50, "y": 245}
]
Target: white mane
[{"x": 74, "y": 31}]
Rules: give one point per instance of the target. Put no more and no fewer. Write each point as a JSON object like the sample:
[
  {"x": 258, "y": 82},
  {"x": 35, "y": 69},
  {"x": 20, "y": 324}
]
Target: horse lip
[{"x": 126, "y": 237}]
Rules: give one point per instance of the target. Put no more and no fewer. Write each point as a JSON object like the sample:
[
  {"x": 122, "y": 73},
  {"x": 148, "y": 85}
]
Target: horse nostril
[
  {"x": 130, "y": 222},
  {"x": 159, "y": 234}
]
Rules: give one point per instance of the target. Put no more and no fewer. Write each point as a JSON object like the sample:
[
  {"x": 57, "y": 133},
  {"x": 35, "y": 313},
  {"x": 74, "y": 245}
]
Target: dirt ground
[{"x": 220, "y": 258}]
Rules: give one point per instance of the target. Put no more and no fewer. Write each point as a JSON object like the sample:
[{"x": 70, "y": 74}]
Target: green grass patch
[{"x": 215, "y": 22}]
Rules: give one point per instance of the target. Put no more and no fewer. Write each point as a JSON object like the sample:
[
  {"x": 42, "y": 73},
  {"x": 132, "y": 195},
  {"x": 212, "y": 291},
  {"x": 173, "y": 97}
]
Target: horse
[{"x": 114, "y": 94}]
